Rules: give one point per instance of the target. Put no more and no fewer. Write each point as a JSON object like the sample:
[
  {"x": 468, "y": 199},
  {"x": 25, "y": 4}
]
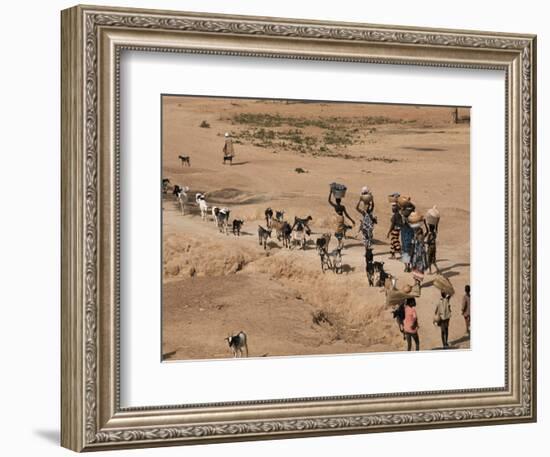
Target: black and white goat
[
  {"x": 176, "y": 190},
  {"x": 222, "y": 220},
  {"x": 300, "y": 231},
  {"x": 263, "y": 235},
  {"x": 238, "y": 344},
  {"x": 215, "y": 211},
  {"x": 375, "y": 270}
]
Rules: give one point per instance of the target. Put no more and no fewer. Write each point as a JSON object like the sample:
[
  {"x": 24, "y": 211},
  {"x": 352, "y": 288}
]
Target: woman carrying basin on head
[
  {"x": 365, "y": 207},
  {"x": 340, "y": 226}
]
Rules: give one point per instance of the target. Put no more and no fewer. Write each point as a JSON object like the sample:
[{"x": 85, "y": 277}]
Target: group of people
[
  {"x": 413, "y": 240},
  {"x": 365, "y": 207},
  {"x": 407, "y": 319},
  {"x": 413, "y": 237}
]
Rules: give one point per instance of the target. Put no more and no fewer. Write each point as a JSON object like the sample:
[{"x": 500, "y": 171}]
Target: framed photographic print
[{"x": 282, "y": 228}]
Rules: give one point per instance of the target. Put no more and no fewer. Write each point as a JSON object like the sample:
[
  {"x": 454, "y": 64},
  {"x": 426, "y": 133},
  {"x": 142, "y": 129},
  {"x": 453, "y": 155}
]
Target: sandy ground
[{"x": 215, "y": 284}]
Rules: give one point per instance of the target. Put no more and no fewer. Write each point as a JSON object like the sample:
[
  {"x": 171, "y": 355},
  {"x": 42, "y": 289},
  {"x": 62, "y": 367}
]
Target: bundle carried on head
[
  {"x": 415, "y": 218},
  {"x": 392, "y": 198},
  {"x": 444, "y": 285},
  {"x": 432, "y": 216},
  {"x": 338, "y": 190},
  {"x": 403, "y": 201},
  {"x": 396, "y": 297},
  {"x": 366, "y": 196}
]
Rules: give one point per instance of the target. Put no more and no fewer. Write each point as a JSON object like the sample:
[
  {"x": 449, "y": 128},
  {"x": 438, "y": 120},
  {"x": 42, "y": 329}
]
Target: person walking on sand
[
  {"x": 443, "y": 316},
  {"x": 410, "y": 324},
  {"x": 367, "y": 225},
  {"x": 466, "y": 308},
  {"x": 340, "y": 226},
  {"x": 407, "y": 235},
  {"x": 398, "y": 314},
  {"x": 419, "y": 261},
  {"x": 228, "y": 149},
  {"x": 395, "y": 231},
  {"x": 366, "y": 200},
  {"x": 431, "y": 242}
]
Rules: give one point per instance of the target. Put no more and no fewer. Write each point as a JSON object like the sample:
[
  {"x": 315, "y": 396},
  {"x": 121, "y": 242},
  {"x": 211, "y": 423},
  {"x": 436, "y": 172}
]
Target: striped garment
[{"x": 395, "y": 243}]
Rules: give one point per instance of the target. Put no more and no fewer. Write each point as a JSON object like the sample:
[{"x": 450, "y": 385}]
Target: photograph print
[{"x": 300, "y": 227}]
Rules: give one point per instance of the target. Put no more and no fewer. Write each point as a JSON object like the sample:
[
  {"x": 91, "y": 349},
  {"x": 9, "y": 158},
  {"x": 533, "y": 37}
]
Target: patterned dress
[
  {"x": 407, "y": 235},
  {"x": 418, "y": 258},
  {"x": 367, "y": 228}
]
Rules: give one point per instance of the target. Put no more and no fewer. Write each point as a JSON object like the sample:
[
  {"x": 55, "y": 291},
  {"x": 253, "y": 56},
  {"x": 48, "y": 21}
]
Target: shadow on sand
[
  {"x": 412, "y": 148},
  {"x": 236, "y": 164},
  {"x": 462, "y": 339},
  {"x": 453, "y": 344},
  {"x": 448, "y": 275},
  {"x": 168, "y": 355},
  {"x": 456, "y": 265}
]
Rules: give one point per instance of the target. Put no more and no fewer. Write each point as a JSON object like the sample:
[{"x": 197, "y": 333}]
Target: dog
[
  {"x": 238, "y": 344},
  {"x": 185, "y": 160},
  {"x": 237, "y": 224},
  {"x": 263, "y": 235}
]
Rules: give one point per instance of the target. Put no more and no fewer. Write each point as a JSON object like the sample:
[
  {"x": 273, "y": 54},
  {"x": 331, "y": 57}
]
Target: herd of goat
[
  {"x": 290, "y": 235},
  {"x": 296, "y": 234}
]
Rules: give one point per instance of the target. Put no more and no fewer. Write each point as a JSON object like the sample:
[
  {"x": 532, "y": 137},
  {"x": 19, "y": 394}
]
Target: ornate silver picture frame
[{"x": 93, "y": 40}]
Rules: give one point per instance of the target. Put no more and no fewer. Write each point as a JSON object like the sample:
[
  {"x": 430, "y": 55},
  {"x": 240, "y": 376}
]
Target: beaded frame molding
[{"x": 93, "y": 39}]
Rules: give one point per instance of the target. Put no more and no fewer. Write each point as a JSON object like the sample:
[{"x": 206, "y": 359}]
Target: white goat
[
  {"x": 182, "y": 198},
  {"x": 204, "y": 208}
]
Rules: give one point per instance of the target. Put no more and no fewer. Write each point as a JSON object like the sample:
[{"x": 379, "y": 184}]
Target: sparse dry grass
[{"x": 322, "y": 136}]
